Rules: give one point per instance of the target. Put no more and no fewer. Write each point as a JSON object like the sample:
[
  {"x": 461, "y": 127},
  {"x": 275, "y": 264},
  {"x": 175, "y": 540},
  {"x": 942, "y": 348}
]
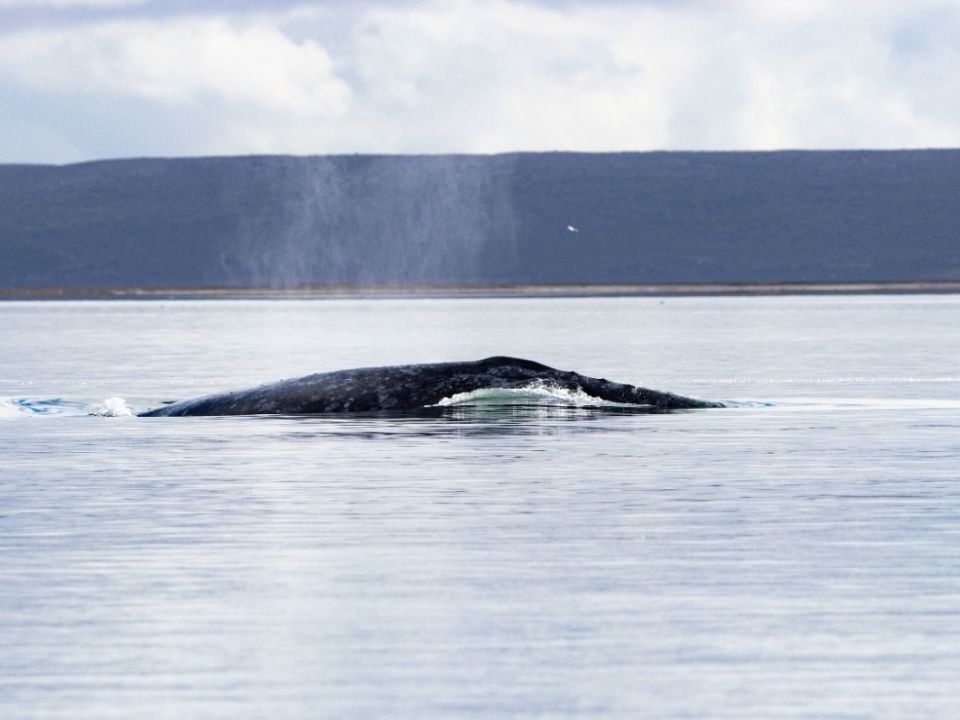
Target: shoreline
[{"x": 487, "y": 291}]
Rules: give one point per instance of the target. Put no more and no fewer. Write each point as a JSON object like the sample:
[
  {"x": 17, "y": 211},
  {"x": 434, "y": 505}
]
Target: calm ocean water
[{"x": 796, "y": 555}]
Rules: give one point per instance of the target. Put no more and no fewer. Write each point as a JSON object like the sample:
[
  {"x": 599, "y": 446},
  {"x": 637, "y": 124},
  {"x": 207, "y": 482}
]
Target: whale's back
[{"x": 408, "y": 387}]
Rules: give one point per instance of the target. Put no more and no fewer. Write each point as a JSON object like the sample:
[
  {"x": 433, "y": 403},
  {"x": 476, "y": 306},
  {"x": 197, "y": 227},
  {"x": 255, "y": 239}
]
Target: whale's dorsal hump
[{"x": 500, "y": 360}]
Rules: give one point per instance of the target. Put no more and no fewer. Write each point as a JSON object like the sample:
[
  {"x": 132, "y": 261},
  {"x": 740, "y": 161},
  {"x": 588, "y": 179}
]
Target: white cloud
[
  {"x": 500, "y": 75},
  {"x": 497, "y": 75},
  {"x": 231, "y": 80},
  {"x": 178, "y": 62}
]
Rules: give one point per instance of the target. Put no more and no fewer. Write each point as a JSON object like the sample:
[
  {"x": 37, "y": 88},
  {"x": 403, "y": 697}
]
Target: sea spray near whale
[{"x": 408, "y": 387}]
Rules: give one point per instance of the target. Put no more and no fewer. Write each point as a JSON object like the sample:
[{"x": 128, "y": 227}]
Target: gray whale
[{"x": 408, "y": 387}]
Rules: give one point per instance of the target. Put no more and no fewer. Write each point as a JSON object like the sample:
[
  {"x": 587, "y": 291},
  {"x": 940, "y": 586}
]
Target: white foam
[
  {"x": 114, "y": 407},
  {"x": 537, "y": 392},
  {"x": 10, "y": 408}
]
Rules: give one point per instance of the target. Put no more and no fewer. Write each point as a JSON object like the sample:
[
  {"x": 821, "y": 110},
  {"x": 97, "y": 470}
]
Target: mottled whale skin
[{"x": 408, "y": 387}]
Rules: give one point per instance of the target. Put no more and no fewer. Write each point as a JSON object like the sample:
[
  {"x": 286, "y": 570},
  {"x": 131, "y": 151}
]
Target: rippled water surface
[{"x": 794, "y": 555}]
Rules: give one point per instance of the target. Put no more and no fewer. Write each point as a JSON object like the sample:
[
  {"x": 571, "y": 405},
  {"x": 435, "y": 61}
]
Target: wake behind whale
[{"x": 409, "y": 387}]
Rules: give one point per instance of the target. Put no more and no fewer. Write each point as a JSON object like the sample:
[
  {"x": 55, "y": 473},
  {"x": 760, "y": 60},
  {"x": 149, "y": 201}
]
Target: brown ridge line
[{"x": 470, "y": 290}]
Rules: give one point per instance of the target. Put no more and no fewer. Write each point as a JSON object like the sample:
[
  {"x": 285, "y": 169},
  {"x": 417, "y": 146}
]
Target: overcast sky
[{"x": 87, "y": 79}]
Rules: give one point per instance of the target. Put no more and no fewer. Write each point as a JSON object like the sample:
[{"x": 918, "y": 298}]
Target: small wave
[
  {"x": 747, "y": 403},
  {"x": 19, "y": 407},
  {"x": 840, "y": 403},
  {"x": 35, "y": 407},
  {"x": 114, "y": 407},
  {"x": 537, "y": 392}
]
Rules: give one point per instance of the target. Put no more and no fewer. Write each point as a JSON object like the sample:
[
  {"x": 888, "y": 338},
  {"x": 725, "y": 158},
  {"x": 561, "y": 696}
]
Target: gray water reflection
[{"x": 564, "y": 563}]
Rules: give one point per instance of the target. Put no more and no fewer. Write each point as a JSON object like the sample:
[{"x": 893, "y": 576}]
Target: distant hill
[{"x": 665, "y": 217}]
